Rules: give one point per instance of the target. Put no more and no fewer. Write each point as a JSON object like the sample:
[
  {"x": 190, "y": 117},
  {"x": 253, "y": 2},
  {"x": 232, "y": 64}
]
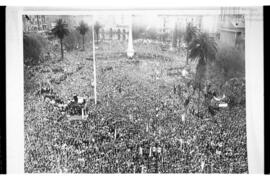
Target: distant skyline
[{"x": 206, "y": 18}]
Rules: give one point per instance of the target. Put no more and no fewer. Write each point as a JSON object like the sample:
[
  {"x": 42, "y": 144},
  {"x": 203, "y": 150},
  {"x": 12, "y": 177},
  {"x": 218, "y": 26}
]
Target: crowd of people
[
  {"x": 136, "y": 127},
  {"x": 145, "y": 134}
]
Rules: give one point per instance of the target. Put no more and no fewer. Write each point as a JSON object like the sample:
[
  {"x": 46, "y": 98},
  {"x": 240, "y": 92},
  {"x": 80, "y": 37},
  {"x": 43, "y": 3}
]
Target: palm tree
[
  {"x": 60, "y": 31},
  {"x": 97, "y": 28},
  {"x": 83, "y": 29},
  {"x": 175, "y": 36},
  {"x": 202, "y": 49},
  {"x": 190, "y": 34}
]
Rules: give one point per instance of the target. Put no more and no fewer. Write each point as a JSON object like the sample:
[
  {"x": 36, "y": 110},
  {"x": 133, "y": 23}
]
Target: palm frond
[
  {"x": 82, "y": 28},
  {"x": 203, "y": 48},
  {"x": 97, "y": 26},
  {"x": 191, "y": 33},
  {"x": 61, "y": 29}
]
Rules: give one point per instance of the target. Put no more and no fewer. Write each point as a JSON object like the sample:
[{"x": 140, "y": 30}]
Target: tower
[{"x": 130, "y": 50}]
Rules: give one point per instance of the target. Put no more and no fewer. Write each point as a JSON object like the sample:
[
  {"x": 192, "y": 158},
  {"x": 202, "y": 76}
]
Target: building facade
[
  {"x": 232, "y": 26},
  {"x": 34, "y": 23}
]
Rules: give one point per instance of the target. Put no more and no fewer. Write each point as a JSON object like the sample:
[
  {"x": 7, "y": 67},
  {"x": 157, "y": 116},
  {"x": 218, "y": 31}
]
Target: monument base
[{"x": 130, "y": 54}]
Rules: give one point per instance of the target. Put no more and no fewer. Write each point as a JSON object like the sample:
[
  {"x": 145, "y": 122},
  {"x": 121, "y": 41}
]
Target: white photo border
[{"x": 15, "y": 82}]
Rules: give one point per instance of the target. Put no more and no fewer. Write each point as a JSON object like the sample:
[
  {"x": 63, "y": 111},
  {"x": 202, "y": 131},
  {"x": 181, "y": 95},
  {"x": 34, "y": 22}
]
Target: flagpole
[{"x": 94, "y": 62}]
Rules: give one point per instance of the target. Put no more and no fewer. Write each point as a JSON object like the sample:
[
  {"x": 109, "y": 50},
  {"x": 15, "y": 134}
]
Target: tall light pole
[
  {"x": 94, "y": 62},
  {"x": 130, "y": 50}
]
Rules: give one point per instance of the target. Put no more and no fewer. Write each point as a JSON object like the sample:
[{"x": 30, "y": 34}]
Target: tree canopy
[
  {"x": 191, "y": 33},
  {"x": 97, "y": 28},
  {"x": 203, "y": 48},
  {"x": 83, "y": 28},
  {"x": 61, "y": 29}
]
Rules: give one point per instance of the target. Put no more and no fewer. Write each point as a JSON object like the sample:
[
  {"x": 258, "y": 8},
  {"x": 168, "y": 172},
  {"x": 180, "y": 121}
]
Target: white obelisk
[
  {"x": 130, "y": 50},
  {"x": 94, "y": 62}
]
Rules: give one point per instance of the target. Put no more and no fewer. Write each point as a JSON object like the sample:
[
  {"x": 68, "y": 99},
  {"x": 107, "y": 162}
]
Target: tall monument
[{"x": 130, "y": 50}]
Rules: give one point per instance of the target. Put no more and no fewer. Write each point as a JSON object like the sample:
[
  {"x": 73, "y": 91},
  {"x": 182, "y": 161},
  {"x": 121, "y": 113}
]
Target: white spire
[{"x": 130, "y": 50}]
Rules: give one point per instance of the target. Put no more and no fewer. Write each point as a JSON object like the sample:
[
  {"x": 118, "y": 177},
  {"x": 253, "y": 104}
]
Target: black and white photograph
[{"x": 136, "y": 91}]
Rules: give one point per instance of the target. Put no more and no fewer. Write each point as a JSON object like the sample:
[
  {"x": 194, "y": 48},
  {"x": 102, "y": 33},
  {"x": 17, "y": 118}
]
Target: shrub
[
  {"x": 231, "y": 61},
  {"x": 164, "y": 36},
  {"x": 235, "y": 89},
  {"x": 33, "y": 45},
  {"x": 72, "y": 40},
  {"x": 151, "y": 34},
  {"x": 141, "y": 32},
  {"x": 138, "y": 32}
]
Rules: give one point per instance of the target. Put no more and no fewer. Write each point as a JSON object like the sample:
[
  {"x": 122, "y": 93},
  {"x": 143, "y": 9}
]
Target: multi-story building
[
  {"x": 114, "y": 27},
  {"x": 41, "y": 23},
  {"x": 232, "y": 26},
  {"x": 34, "y": 23}
]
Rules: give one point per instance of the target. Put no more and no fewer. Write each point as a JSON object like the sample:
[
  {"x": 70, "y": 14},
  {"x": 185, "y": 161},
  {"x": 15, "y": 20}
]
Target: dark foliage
[
  {"x": 33, "y": 45},
  {"x": 230, "y": 61},
  {"x": 60, "y": 31},
  {"x": 83, "y": 29}
]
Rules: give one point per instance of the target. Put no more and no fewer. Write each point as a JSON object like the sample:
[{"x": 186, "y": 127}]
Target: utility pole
[{"x": 94, "y": 62}]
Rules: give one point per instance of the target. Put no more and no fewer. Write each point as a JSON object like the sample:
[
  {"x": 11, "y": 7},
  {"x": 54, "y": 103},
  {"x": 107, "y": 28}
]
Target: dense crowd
[
  {"x": 153, "y": 133},
  {"x": 141, "y": 124}
]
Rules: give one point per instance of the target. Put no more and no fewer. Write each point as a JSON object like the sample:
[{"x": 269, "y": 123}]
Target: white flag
[
  {"x": 202, "y": 165},
  {"x": 183, "y": 116}
]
